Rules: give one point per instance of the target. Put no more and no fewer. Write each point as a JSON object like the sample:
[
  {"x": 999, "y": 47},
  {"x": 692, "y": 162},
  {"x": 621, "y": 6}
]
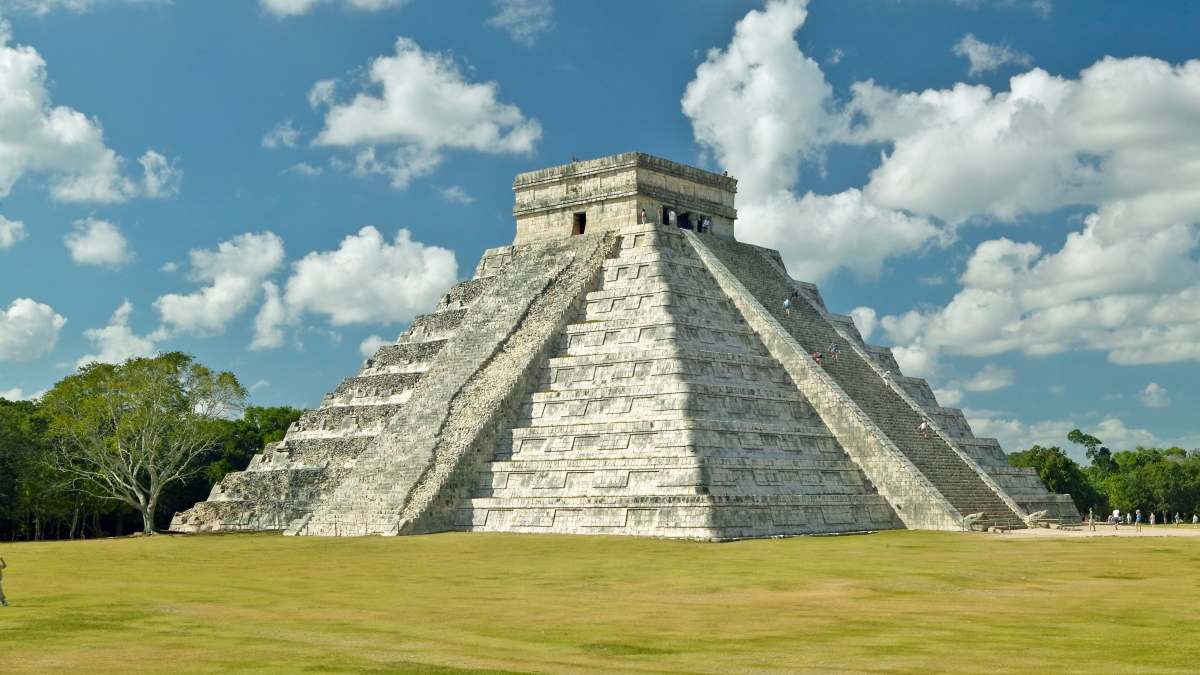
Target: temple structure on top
[
  {"x": 612, "y": 192},
  {"x": 626, "y": 366}
]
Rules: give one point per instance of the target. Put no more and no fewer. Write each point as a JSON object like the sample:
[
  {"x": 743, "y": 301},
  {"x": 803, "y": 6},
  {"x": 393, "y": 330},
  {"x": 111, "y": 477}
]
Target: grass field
[{"x": 894, "y": 601}]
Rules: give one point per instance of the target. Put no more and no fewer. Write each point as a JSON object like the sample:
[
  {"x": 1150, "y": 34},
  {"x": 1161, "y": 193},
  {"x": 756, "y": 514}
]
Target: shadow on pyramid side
[{"x": 627, "y": 367}]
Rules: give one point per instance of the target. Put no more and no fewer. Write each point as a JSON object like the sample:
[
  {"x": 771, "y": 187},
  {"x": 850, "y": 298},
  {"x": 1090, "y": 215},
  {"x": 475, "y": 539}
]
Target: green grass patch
[{"x": 895, "y": 601}]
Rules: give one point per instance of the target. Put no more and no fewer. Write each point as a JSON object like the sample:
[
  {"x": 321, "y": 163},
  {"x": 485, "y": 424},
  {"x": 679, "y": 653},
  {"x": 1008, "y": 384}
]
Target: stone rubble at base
[{"x": 608, "y": 376}]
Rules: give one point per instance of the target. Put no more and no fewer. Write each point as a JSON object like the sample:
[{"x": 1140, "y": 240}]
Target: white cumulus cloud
[
  {"x": 985, "y": 57},
  {"x": 160, "y": 178},
  {"x": 28, "y": 329},
  {"x": 952, "y": 391},
  {"x": 1042, "y": 8},
  {"x": 371, "y": 344},
  {"x": 268, "y": 323},
  {"x": 457, "y": 195},
  {"x": 523, "y": 20},
  {"x": 990, "y": 378},
  {"x": 304, "y": 169},
  {"x": 820, "y": 234},
  {"x": 282, "y": 135},
  {"x": 12, "y": 232},
  {"x": 61, "y": 143},
  {"x": 1121, "y": 140},
  {"x": 233, "y": 274},
  {"x": 763, "y": 108},
  {"x": 949, "y": 397},
  {"x": 288, "y": 8},
  {"x": 417, "y": 106},
  {"x": 116, "y": 342},
  {"x": 365, "y": 280},
  {"x": 44, "y": 7},
  {"x": 1016, "y": 435},
  {"x": 865, "y": 321},
  {"x": 1155, "y": 396},
  {"x": 93, "y": 241}
]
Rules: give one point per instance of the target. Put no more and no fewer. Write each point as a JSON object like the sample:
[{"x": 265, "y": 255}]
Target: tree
[
  {"x": 1098, "y": 455},
  {"x": 1155, "y": 479},
  {"x": 125, "y": 432},
  {"x": 1061, "y": 474}
]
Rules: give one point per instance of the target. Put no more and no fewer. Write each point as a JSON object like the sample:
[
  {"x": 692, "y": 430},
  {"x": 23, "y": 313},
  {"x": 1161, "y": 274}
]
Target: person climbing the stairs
[
  {"x": 834, "y": 350},
  {"x": 924, "y": 428}
]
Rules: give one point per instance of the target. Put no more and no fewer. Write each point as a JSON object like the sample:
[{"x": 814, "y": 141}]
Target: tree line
[
  {"x": 1155, "y": 480},
  {"x": 116, "y": 448},
  {"x": 119, "y": 448}
]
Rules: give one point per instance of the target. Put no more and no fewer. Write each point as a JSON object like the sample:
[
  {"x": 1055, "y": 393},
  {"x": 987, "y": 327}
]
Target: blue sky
[{"x": 1006, "y": 191}]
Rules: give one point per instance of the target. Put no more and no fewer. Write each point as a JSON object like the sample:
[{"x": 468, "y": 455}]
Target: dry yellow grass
[{"x": 896, "y": 601}]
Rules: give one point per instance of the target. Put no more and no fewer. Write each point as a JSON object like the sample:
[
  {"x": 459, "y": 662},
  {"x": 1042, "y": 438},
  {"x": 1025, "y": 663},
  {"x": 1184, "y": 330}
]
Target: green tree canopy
[
  {"x": 1097, "y": 454},
  {"x": 1061, "y": 474},
  {"x": 125, "y": 432}
]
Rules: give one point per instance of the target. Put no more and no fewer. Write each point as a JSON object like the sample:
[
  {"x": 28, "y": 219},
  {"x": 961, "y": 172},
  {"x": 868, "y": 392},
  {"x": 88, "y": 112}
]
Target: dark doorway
[
  {"x": 685, "y": 221},
  {"x": 580, "y": 223}
]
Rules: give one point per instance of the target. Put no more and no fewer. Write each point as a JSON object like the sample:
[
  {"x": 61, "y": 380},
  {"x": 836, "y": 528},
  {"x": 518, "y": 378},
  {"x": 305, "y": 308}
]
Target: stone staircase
[
  {"x": 406, "y": 480},
  {"x": 960, "y": 483},
  {"x": 320, "y": 450},
  {"x": 660, "y": 412}
]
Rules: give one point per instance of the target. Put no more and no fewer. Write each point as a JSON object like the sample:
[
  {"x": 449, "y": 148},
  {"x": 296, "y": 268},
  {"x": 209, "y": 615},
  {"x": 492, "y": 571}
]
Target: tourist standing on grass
[
  {"x": 1151, "y": 518},
  {"x": 1138, "y": 521},
  {"x": 3, "y": 600},
  {"x": 1195, "y": 519}
]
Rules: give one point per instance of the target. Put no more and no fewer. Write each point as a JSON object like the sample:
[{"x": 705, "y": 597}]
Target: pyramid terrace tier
[
  {"x": 404, "y": 356},
  {"x": 693, "y": 437},
  {"x": 690, "y": 517},
  {"x": 343, "y": 420},
  {"x": 661, "y": 365},
  {"x": 669, "y": 476},
  {"x": 668, "y": 400}
]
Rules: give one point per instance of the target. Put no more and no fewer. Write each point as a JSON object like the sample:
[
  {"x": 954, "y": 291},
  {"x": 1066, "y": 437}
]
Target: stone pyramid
[{"x": 626, "y": 367}]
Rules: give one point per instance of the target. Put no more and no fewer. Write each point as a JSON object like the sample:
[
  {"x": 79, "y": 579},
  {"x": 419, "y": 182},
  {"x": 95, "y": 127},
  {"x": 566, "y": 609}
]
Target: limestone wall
[{"x": 916, "y": 501}]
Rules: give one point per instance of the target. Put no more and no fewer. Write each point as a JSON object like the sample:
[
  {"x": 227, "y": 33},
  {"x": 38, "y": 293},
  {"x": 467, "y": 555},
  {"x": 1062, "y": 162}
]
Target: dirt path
[{"x": 1103, "y": 530}]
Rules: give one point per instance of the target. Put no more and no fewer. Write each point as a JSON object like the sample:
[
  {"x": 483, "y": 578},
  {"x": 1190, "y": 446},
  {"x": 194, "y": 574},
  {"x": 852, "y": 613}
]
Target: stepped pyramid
[{"x": 626, "y": 367}]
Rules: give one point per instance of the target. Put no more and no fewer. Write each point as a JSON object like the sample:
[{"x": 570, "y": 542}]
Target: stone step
[
  {"x": 438, "y": 326},
  {"x": 464, "y": 293},
  {"x": 666, "y": 386},
  {"x": 940, "y": 464},
  {"x": 382, "y": 385},
  {"x": 405, "y": 353}
]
